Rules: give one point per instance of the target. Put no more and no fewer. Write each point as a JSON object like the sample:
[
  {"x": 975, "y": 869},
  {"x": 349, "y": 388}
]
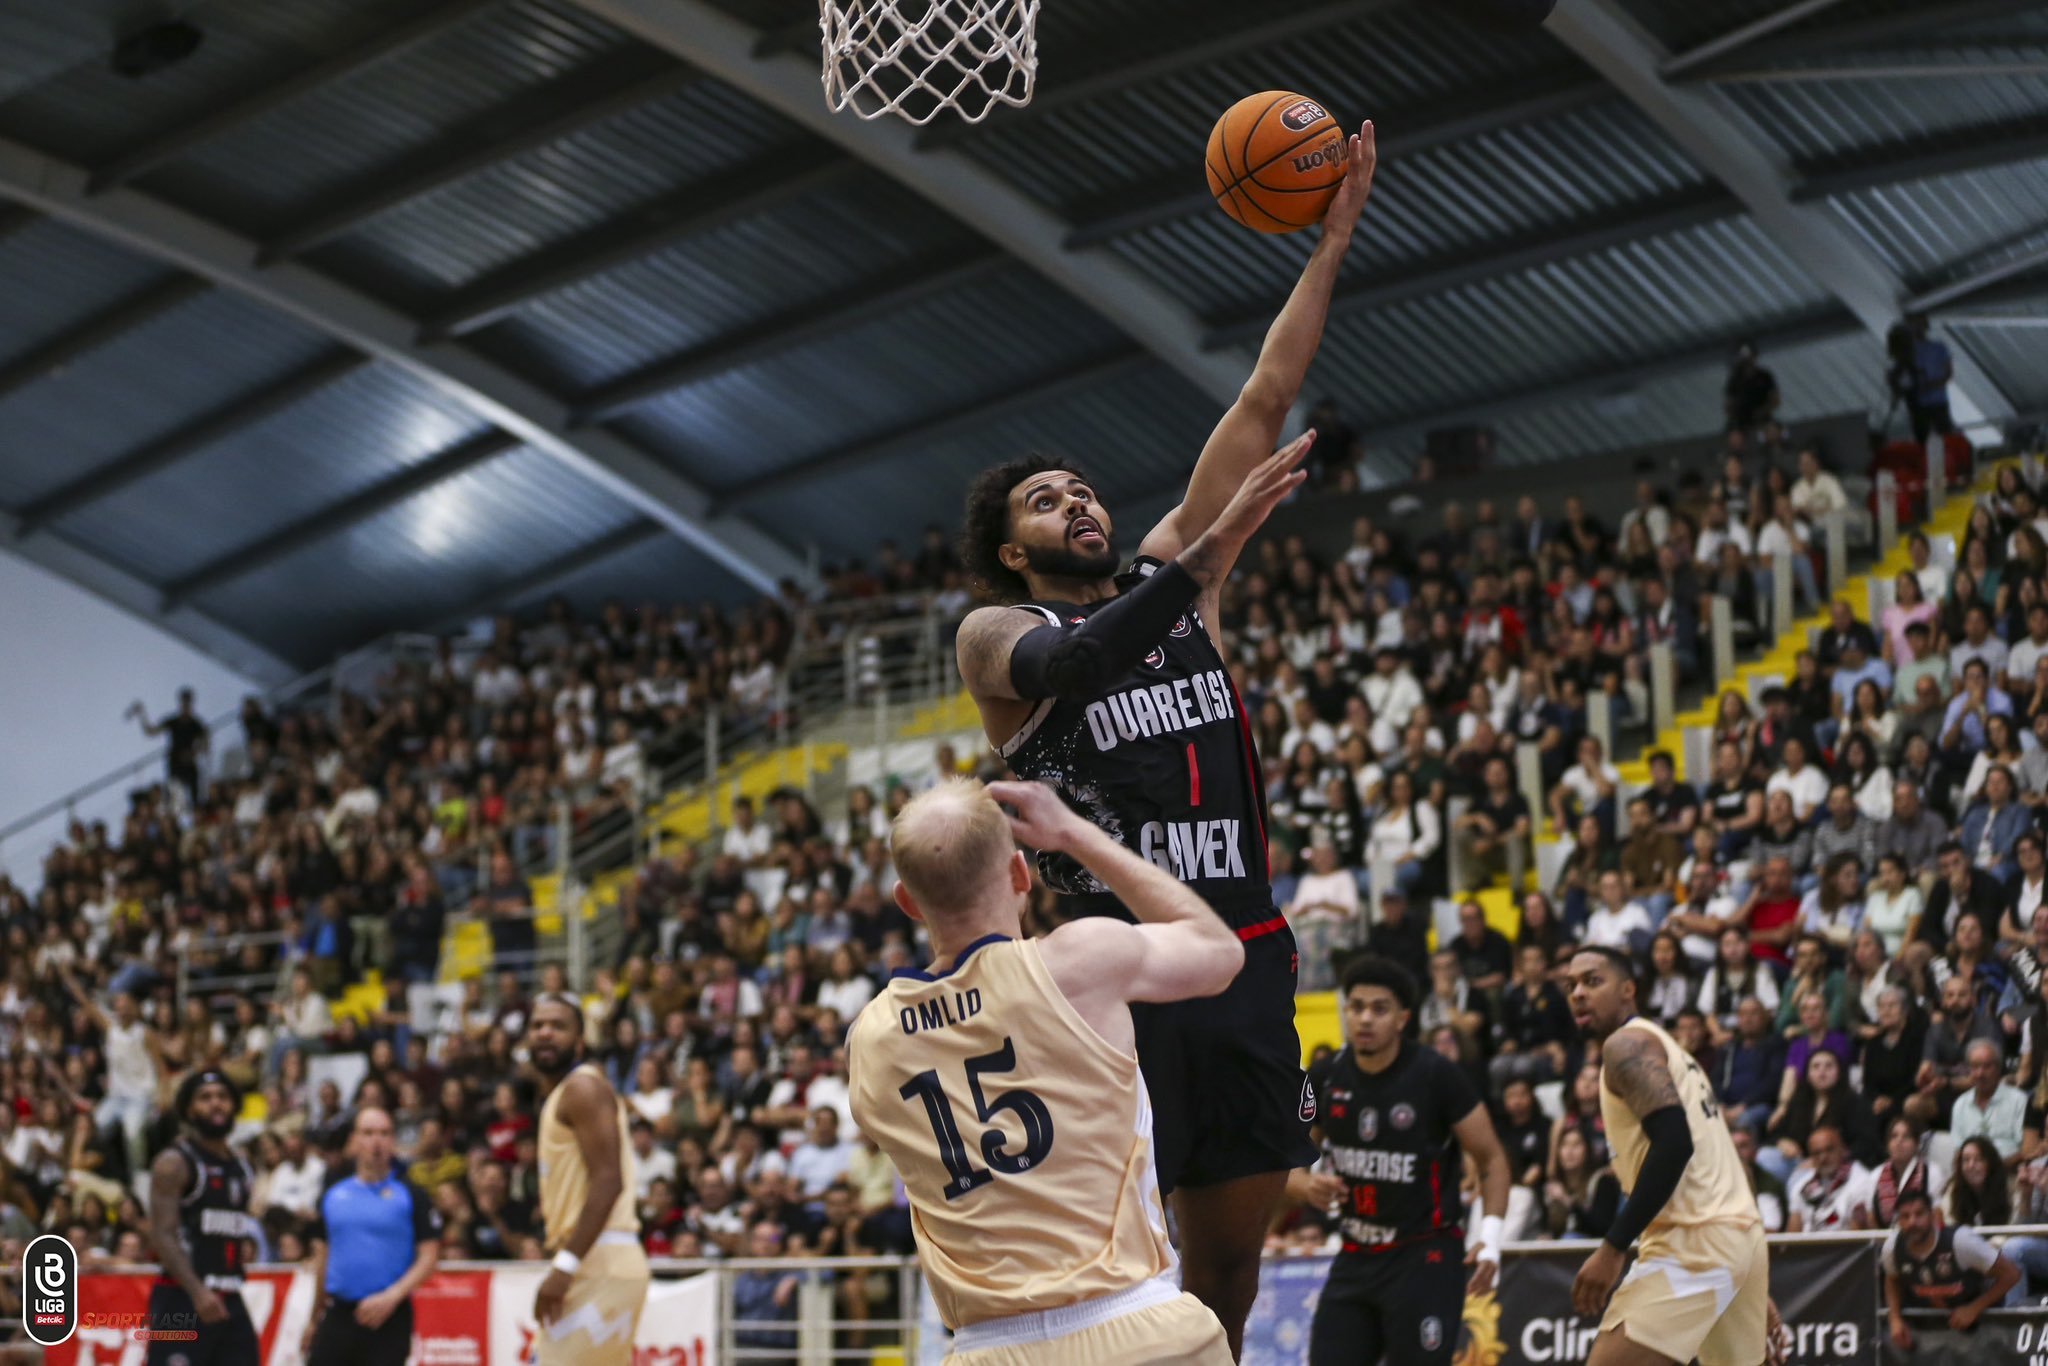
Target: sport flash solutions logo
[{"x": 49, "y": 1290}]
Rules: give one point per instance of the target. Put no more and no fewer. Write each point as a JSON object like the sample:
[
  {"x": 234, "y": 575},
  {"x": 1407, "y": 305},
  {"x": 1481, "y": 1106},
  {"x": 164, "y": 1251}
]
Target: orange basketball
[{"x": 1275, "y": 161}]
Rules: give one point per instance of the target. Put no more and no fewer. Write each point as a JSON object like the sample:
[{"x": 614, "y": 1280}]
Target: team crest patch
[
  {"x": 1402, "y": 1116},
  {"x": 1308, "y": 1101},
  {"x": 1432, "y": 1333},
  {"x": 1368, "y": 1124},
  {"x": 1156, "y": 658},
  {"x": 1180, "y": 628}
]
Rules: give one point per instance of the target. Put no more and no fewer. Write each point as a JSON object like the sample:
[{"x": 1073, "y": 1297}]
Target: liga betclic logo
[{"x": 49, "y": 1290}]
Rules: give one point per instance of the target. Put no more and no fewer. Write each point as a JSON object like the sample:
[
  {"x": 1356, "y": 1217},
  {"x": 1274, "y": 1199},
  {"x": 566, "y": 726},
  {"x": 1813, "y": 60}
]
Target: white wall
[{"x": 70, "y": 664}]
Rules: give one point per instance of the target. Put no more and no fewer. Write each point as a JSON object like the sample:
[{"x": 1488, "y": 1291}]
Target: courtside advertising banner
[
  {"x": 2018, "y": 1337},
  {"x": 1827, "y": 1293},
  {"x": 460, "y": 1318}
]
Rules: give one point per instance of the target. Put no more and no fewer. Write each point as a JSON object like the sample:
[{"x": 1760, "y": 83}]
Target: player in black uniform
[
  {"x": 1395, "y": 1118},
  {"x": 199, "y": 1221},
  {"x": 1949, "y": 1268},
  {"x": 1116, "y": 692}
]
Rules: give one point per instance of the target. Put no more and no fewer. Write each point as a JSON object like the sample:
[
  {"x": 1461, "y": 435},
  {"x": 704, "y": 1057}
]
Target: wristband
[
  {"x": 567, "y": 1262},
  {"x": 1491, "y": 1226}
]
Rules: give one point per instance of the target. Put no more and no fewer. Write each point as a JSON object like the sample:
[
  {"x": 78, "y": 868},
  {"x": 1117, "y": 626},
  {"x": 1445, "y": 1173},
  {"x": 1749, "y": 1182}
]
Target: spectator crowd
[{"x": 1843, "y": 922}]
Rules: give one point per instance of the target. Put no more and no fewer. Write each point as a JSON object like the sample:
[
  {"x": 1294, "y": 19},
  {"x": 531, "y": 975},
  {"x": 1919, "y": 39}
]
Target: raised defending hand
[
  {"x": 1038, "y": 818},
  {"x": 1362, "y": 158},
  {"x": 1269, "y": 482}
]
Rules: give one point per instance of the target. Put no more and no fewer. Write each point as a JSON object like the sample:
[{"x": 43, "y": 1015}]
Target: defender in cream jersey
[
  {"x": 1700, "y": 1287},
  {"x": 1003, "y": 1082}
]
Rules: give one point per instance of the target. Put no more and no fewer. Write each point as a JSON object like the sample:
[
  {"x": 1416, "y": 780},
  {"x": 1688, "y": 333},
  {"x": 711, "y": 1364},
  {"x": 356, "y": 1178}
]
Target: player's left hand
[
  {"x": 1361, "y": 159},
  {"x": 1484, "y": 1274},
  {"x": 376, "y": 1308},
  {"x": 1964, "y": 1317},
  {"x": 1595, "y": 1282},
  {"x": 547, "y": 1301}
]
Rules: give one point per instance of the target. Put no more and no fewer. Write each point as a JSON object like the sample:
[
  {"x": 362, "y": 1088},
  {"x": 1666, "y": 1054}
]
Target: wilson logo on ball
[
  {"x": 1303, "y": 115},
  {"x": 1329, "y": 154}
]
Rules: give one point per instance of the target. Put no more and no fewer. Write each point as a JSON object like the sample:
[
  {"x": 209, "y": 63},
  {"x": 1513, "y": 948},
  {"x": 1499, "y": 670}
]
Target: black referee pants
[{"x": 341, "y": 1341}]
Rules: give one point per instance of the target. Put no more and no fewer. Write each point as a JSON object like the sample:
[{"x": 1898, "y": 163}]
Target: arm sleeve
[
  {"x": 1670, "y": 1149},
  {"x": 1080, "y": 661}
]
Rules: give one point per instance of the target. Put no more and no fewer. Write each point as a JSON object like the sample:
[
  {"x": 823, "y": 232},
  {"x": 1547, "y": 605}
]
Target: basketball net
[{"x": 918, "y": 58}]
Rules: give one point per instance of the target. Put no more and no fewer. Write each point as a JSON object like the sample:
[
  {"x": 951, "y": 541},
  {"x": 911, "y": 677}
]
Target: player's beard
[
  {"x": 558, "y": 1062},
  {"x": 1063, "y": 561},
  {"x": 212, "y": 1130}
]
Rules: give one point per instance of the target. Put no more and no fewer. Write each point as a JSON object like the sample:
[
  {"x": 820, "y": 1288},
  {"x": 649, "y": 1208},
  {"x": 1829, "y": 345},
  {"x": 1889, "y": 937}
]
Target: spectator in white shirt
[
  {"x": 651, "y": 1163},
  {"x": 299, "y": 1176},
  {"x": 1815, "y": 493},
  {"x": 1391, "y": 690},
  {"x": 847, "y": 989},
  {"x": 1585, "y": 786},
  {"x": 1785, "y": 535},
  {"x": 1310, "y": 727},
  {"x": 1990, "y": 1108},
  {"x": 746, "y": 839},
  {"x": 2027, "y": 651},
  {"x": 1405, "y": 834},
  {"x": 752, "y": 685},
  {"x": 1616, "y": 922},
  {"x": 1804, "y": 783},
  {"x": 497, "y": 684},
  {"x": 624, "y": 771},
  {"x": 1326, "y": 890},
  {"x": 822, "y": 1157},
  {"x": 1824, "y": 1191}
]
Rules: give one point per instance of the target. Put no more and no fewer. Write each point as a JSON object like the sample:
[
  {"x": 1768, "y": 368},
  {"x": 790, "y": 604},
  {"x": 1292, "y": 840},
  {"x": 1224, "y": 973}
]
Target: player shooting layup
[
  {"x": 1115, "y": 691},
  {"x": 1003, "y": 1082},
  {"x": 588, "y": 1306},
  {"x": 1701, "y": 1283}
]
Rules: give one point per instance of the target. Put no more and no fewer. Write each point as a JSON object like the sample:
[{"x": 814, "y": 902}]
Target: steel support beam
[
  {"x": 1882, "y": 71},
  {"x": 1834, "y": 39},
  {"x": 785, "y": 331},
  {"x": 378, "y": 46},
  {"x": 1971, "y": 150},
  {"x": 156, "y": 456},
  {"x": 926, "y": 431},
  {"x": 151, "y": 226},
  {"x": 1461, "y": 267},
  {"x": 708, "y": 38},
  {"x": 527, "y": 123},
  {"x": 1738, "y": 38},
  {"x": 509, "y": 594},
  {"x": 1182, "y": 194},
  {"x": 101, "y": 329},
  {"x": 1977, "y": 281},
  {"x": 110, "y": 582},
  {"x": 737, "y": 195},
  {"x": 339, "y": 517},
  {"x": 1708, "y": 128},
  {"x": 1282, "y": 25}
]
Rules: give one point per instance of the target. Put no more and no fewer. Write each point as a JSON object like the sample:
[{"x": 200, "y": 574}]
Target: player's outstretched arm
[
  {"x": 1252, "y": 424},
  {"x": 1179, "y": 949},
  {"x": 1636, "y": 1071}
]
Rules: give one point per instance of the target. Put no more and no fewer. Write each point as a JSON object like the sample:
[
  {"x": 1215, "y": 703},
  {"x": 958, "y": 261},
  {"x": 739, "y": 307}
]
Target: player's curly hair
[
  {"x": 1371, "y": 970},
  {"x": 987, "y": 525}
]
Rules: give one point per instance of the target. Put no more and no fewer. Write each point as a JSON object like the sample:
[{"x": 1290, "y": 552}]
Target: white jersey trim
[{"x": 1048, "y": 1325}]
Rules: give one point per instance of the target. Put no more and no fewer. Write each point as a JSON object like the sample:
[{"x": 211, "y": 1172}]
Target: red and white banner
[{"x": 460, "y": 1318}]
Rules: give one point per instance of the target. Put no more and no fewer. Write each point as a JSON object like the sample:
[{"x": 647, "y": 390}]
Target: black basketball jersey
[
  {"x": 1162, "y": 760},
  {"x": 1946, "y": 1276},
  {"x": 214, "y": 1218},
  {"x": 1389, "y": 1138}
]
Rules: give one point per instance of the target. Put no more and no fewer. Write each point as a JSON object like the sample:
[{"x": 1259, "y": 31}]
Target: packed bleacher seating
[{"x": 1843, "y": 921}]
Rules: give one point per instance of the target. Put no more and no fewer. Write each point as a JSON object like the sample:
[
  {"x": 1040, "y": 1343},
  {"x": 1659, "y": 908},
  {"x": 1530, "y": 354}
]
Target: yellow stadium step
[
  {"x": 688, "y": 817},
  {"x": 1317, "y": 1021},
  {"x": 1952, "y": 518}
]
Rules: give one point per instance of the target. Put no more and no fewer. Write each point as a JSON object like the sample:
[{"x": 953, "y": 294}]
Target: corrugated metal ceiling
[{"x": 695, "y": 226}]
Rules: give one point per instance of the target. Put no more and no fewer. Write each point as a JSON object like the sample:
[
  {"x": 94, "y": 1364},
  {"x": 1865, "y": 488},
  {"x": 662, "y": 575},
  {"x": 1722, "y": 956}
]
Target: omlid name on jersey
[
  {"x": 940, "y": 1011},
  {"x": 1161, "y": 709}
]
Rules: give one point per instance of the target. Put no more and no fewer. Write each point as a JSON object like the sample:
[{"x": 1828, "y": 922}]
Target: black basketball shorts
[
  {"x": 231, "y": 1342},
  {"x": 1229, "y": 1098},
  {"x": 1405, "y": 1306}
]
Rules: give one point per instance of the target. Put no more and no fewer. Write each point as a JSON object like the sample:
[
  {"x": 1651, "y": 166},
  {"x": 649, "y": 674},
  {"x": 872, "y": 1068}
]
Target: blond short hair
[{"x": 950, "y": 845}]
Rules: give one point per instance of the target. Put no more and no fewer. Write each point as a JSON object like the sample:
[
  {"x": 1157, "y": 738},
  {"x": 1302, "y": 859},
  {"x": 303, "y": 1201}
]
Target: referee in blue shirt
[{"x": 376, "y": 1238}]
